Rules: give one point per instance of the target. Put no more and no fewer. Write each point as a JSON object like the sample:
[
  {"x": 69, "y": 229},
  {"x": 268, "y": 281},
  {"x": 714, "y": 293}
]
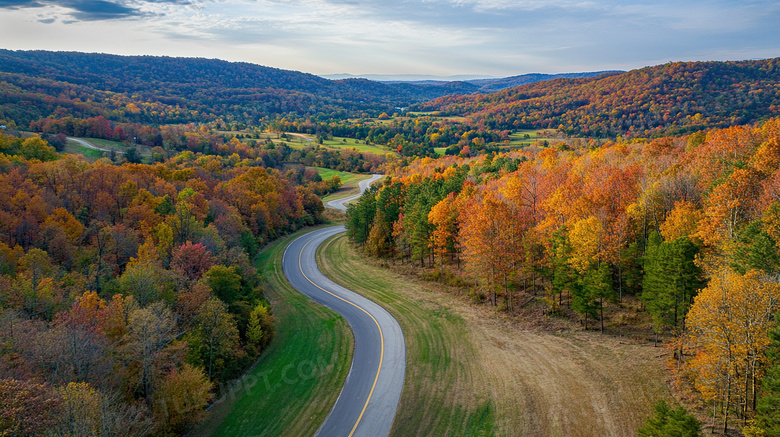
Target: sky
[{"x": 426, "y": 37}]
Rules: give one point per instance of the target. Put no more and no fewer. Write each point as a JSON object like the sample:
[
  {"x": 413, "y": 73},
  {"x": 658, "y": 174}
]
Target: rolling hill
[{"x": 665, "y": 99}]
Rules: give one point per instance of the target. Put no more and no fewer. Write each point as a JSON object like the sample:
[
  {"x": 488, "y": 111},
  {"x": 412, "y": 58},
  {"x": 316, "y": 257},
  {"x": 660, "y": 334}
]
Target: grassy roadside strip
[
  {"x": 293, "y": 387},
  {"x": 472, "y": 372},
  {"x": 441, "y": 395}
]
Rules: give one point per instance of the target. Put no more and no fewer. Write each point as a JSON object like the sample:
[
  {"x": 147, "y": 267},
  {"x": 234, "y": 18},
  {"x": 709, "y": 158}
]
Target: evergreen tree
[
  {"x": 768, "y": 416},
  {"x": 670, "y": 423},
  {"x": 564, "y": 277},
  {"x": 756, "y": 249},
  {"x": 671, "y": 280},
  {"x": 360, "y": 216},
  {"x": 596, "y": 286}
]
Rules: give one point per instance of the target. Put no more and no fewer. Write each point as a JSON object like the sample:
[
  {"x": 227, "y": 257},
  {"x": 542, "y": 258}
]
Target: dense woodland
[
  {"x": 129, "y": 296},
  {"x": 688, "y": 225},
  {"x": 181, "y": 90},
  {"x": 667, "y": 99}
]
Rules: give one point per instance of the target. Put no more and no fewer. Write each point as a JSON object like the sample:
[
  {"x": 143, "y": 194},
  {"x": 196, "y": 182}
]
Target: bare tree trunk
[
  {"x": 726, "y": 404},
  {"x": 601, "y": 306}
]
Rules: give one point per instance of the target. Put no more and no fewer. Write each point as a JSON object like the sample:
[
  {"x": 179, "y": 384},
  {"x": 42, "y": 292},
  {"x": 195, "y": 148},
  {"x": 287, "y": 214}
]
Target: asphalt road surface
[
  {"x": 369, "y": 399},
  {"x": 363, "y": 185}
]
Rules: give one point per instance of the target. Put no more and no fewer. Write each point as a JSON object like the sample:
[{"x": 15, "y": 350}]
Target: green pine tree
[
  {"x": 670, "y": 423},
  {"x": 768, "y": 415},
  {"x": 671, "y": 280},
  {"x": 564, "y": 277},
  {"x": 756, "y": 249},
  {"x": 596, "y": 286}
]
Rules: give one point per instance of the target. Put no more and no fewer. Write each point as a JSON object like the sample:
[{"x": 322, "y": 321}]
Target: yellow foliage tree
[
  {"x": 80, "y": 410},
  {"x": 585, "y": 237},
  {"x": 729, "y": 326},
  {"x": 683, "y": 221}
]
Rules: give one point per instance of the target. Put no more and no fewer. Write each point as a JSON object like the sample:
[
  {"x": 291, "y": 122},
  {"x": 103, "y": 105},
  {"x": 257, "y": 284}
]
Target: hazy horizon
[{"x": 495, "y": 38}]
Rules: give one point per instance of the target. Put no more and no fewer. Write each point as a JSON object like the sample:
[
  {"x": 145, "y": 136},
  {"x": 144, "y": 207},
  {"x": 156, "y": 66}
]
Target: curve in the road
[
  {"x": 369, "y": 398},
  {"x": 363, "y": 185}
]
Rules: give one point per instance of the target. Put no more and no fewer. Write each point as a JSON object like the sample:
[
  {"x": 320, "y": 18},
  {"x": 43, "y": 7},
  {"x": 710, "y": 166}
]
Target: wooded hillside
[{"x": 666, "y": 99}]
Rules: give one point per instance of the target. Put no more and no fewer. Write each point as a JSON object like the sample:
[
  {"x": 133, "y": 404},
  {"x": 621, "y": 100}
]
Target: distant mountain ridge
[
  {"x": 493, "y": 85},
  {"x": 481, "y": 84},
  {"x": 665, "y": 99},
  {"x": 38, "y": 84}
]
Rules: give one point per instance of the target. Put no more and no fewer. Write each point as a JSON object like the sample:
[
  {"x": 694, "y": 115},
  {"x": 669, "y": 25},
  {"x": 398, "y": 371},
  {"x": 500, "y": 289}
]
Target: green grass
[
  {"x": 347, "y": 179},
  {"x": 440, "y": 150},
  {"x": 105, "y": 144},
  {"x": 75, "y": 148},
  {"x": 350, "y": 143},
  {"x": 518, "y": 138},
  {"x": 293, "y": 387},
  {"x": 441, "y": 393}
]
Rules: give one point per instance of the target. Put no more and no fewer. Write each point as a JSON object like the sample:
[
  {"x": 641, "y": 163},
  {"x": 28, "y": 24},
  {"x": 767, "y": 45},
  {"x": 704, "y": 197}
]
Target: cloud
[
  {"x": 494, "y": 37},
  {"x": 14, "y": 4},
  {"x": 92, "y": 10},
  {"x": 88, "y": 10}
]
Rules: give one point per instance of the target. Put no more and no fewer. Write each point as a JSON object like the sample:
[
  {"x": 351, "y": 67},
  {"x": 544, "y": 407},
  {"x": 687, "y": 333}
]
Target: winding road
[
  {"x": 363, "y": 185},
  {"x": 369, "y": 398}
]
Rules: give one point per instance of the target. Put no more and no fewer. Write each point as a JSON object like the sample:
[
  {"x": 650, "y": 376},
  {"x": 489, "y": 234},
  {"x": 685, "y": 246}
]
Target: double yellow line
[{"x": 381, "y": 336}]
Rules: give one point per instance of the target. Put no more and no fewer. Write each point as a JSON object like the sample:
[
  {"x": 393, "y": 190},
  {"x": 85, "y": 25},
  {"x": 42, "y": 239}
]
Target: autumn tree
[
  {"x": 27, "y": 408},
  {"x": 261, "y": 326},
  {"x": 181, "y": 397},
  {"x": 150, "y": 331},
  {"x": 729, "y": 325},
  {"x": 214, "y": 341},
  {"x": 486, "y": 241},
  {"x": 191, "y": 260},
  {"x": 444, "y": 217}
]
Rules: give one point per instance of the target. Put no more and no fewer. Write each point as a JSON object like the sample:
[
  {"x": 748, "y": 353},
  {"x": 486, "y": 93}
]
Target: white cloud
[{"x": 491, "y": 37}]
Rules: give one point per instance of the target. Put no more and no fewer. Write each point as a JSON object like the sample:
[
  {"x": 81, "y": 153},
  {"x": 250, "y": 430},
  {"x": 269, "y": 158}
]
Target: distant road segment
[{"x": 363, "y": 185}]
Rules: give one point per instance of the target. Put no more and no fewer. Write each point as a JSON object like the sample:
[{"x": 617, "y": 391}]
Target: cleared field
[
  {"x": 471, "y": 372},
  {"x": 349, "y": 143},
  {"x": 293, "y": 387},
  {"x": 75, "y": 148},
  {"x": 346, "y": 177}
]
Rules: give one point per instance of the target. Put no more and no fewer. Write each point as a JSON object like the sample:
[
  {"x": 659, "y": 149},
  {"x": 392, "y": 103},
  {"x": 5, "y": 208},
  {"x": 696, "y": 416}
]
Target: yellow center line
[{"x": 381, "y": 336}]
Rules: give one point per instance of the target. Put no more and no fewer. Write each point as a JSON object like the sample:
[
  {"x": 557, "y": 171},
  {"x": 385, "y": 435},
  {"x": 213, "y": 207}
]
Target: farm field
[{"x": 76, "y": 148}]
